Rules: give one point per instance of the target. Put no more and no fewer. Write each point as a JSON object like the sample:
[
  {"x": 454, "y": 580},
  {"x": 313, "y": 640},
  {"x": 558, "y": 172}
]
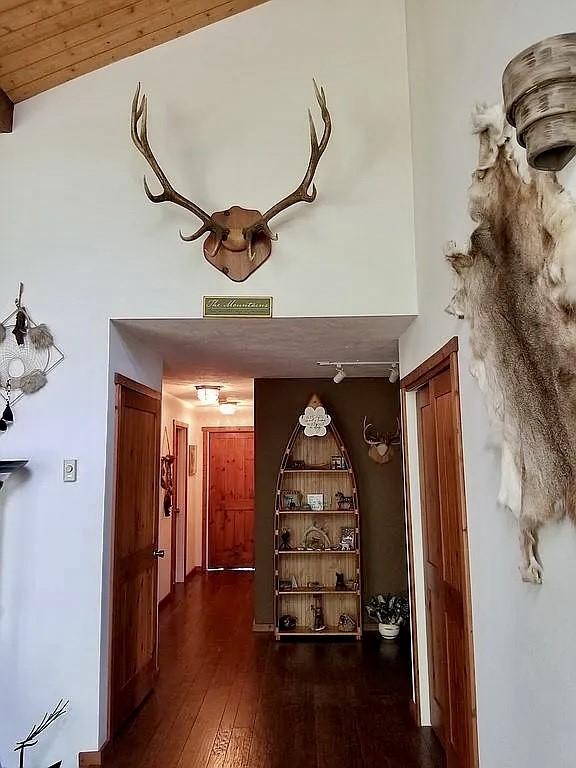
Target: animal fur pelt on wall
[{"x": 516, "y": 286}]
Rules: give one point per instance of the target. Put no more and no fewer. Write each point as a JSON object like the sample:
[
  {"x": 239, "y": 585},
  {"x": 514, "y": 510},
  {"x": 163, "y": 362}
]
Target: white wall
[
  {"x": 228, "y": 121},
  {"x": 525, "y": 665}
]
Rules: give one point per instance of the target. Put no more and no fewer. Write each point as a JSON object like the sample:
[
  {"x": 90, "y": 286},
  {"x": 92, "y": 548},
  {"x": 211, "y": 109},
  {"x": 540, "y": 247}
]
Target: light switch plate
[{"x": 70, "y": 470}]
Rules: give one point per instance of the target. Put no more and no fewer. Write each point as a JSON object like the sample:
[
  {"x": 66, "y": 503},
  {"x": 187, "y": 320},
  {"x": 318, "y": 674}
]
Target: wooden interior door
[
  {"x": 230, "y": 484},
  {"x": 445, "y": 565},
  {"x": 180, "y": 507},
  {"x": 135, "y": 565}
]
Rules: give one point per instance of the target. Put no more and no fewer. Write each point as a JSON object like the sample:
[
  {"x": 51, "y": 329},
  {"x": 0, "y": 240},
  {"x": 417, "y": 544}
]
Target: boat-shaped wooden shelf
[{"x": 316, "y": 471}]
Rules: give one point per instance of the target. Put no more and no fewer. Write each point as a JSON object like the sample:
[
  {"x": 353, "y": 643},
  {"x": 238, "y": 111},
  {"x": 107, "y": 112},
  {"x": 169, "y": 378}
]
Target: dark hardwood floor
[{"x": 231, "y": 698}]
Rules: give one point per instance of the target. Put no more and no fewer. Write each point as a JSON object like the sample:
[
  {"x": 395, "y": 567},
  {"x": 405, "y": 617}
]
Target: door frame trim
[
  {"x": 446, "y": 358},
  {"x": 176, "y": 425},
  {"x": 206, "y": 432}
]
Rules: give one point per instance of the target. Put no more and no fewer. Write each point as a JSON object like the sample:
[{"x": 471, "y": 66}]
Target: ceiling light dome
[
  {"x": 228, "y": 408},
  {"x": 208, "y": 394}
]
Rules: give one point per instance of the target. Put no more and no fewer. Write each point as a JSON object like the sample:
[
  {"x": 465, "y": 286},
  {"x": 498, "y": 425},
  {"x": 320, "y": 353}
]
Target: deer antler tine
[
  {"x": 199, "y": 232},
  {"x": 320, "y": 95},
  {"x": 301, "y": 193},
  {"x": 313, "y": 134}
]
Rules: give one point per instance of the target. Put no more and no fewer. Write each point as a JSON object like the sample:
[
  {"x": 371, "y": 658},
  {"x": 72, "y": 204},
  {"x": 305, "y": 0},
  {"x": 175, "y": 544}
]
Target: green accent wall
[{"x": 277, "y": 405}]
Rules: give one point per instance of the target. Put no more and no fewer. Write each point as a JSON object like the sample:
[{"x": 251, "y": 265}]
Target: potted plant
[{"x": 390, "y": 611}]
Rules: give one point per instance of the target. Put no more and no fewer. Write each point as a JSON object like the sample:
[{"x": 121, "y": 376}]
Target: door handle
[{"x": 159, "y": 553}]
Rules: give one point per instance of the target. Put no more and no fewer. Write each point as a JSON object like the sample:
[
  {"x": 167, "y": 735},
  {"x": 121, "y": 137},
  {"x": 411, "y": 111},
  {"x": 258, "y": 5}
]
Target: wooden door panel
[
  {"x": 135, "y": 570},
  {"x": 448, "y": 492},
  {"x": 431, "y": 508},
  {"x": 444, "y": 569},
  {"x": 231, "y": 499}
]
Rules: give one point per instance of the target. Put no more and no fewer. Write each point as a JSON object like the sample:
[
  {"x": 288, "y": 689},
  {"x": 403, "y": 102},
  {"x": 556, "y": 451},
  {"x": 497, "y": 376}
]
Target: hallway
[{"x": 230, "y": 698}]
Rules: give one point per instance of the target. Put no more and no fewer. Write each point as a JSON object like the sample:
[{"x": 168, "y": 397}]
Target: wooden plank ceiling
[{"x": 44, "y": 43}]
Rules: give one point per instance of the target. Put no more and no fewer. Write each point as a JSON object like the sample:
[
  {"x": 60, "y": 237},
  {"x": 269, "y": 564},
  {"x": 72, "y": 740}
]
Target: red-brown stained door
[
  {"x": 230, "y": 499},
  {"x": 135, "y": 573},
  {"x": 449, "y": 660}
]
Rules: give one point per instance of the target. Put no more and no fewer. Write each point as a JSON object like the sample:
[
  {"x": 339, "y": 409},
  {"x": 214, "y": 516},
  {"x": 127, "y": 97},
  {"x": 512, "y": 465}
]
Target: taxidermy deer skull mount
[
  {"x": 239, "y": 239},
  {"x": 382, "y": 446}
]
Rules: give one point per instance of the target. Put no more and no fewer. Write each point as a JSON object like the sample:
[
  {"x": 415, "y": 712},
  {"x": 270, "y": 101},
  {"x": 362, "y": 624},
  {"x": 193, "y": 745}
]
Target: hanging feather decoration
[
  {"x": 3, "y": 425},
  {"x": 8, "y": 415},
  {"x": 2, "y": 334},
  {"x": 30, "y": 382},
  {"x": 21, "y": 327},
  {"x": 41, "y": 337}
]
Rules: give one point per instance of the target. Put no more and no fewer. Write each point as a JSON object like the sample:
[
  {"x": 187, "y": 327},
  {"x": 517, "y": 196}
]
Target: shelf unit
[{"x": 316, "y": 565}]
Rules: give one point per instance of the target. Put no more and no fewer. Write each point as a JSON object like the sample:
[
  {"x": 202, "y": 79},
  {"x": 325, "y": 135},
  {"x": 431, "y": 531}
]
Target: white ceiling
[{"x": 231, "y": 353}]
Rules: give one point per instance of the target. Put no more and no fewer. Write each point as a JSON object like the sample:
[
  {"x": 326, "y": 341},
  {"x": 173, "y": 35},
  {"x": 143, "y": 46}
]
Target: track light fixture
[{"x": 340, "y": 375}]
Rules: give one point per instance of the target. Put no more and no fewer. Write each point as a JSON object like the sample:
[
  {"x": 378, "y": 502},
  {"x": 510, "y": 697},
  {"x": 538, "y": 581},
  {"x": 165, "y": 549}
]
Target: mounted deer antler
[
  {"x": 169, "y": 194},
  {"x": 381, "y": 446},
  {"x": 301, "y": 193},
  {"x": 239, "y": 240}
]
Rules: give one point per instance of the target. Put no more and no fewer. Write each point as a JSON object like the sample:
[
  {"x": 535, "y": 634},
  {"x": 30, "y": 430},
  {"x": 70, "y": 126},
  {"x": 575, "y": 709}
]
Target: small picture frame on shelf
[
  {"x": 291, "y": 500},
  {"x": 316, "y": 501},
  {"x": 284, "y": 585},
  {"x": 337, "y": 462}
]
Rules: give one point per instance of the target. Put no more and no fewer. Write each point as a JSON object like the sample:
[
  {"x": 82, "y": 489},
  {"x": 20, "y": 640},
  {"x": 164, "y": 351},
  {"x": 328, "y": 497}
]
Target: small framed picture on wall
[{"x": 192, "y": 453}]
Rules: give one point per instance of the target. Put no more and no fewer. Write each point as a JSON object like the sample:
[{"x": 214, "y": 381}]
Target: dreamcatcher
[
  {"x": 167, "y": 476},
  {"x": 27, "y": 355}
]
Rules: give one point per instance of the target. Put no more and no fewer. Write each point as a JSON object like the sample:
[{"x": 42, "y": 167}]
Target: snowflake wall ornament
[
  {"x": 27, "y": 355},
  {"x": 315, "y": 421}
]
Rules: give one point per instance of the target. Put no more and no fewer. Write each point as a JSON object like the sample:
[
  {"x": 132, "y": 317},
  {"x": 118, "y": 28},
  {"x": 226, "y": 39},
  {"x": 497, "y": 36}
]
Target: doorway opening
[{"x": 221, "y": 524}]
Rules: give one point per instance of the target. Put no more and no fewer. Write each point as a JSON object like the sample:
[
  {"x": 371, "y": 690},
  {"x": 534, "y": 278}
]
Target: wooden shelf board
[
  {"x": 322, "y": 632},
  {"x": 316, "y": 552},
  {"x": 306, "y": 591},
  {"x": 317, "y": 511},
  {"x": 316, "y": 471}
]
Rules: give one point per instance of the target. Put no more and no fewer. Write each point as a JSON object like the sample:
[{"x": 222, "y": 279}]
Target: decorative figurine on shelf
[
  {"x": 347, "y": 539},
  {"x": 285, "y": 539},
  {"x": 294, "y": 582},
  {"x": 287, "y": 622},
  {"x": 346, "y": 623},
  {"x": 340, "y": 583},
  {"x": 316, "y": 537},
  {"x": 317, "y": 610},
  {"x": 344, "y": 502},
  {"x": 315, "y": 586}
]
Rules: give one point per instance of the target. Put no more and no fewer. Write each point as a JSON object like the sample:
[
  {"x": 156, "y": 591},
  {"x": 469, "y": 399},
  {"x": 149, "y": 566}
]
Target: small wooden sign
[{"x": 237, "y": 306}]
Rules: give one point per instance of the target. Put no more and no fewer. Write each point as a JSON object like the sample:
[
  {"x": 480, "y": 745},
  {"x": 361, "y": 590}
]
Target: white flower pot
[{"x": 389, "y": 631}]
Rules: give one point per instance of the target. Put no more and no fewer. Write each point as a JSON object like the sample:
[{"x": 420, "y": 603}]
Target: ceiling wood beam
[
  {"x": 44, "y": 43},
  {"x": 6, "y": 113}
]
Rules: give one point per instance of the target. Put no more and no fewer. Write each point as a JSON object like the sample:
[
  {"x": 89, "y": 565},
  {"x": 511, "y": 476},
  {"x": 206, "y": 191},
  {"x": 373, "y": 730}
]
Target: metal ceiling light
[
  {"x": 340, "y": 374},
  {"x": 394, "y": 374},
  {"x": 209, "y": 395},
  {"x": 228, "y": 407}
]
